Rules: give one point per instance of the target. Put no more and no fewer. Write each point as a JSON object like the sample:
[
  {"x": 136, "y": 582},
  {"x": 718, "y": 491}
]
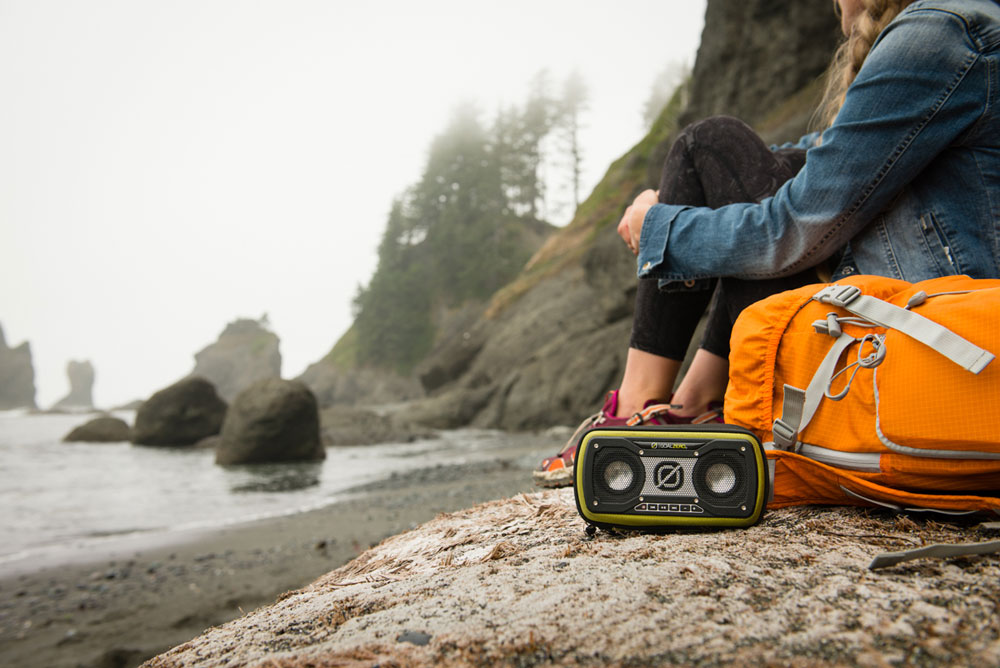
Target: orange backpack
[{"x": 874, "y": 391}]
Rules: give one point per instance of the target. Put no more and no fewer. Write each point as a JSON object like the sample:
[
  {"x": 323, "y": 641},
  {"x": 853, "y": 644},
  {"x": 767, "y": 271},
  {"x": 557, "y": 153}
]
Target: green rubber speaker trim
[{"x": 654, "y": 521}]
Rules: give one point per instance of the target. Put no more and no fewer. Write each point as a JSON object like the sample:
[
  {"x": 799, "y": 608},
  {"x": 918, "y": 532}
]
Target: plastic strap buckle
[
  {"x": 783, "y": 434},
  {"x": 838, "y": 295}
]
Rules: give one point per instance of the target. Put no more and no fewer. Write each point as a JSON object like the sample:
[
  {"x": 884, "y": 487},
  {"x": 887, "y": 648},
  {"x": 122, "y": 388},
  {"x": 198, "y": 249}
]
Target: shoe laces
[
  {"x": 648, "y": 413},
  {"x": 589, "y": 421}
]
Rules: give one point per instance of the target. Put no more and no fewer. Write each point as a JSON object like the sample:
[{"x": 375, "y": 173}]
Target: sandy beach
[{"x": 136, "y": 598}]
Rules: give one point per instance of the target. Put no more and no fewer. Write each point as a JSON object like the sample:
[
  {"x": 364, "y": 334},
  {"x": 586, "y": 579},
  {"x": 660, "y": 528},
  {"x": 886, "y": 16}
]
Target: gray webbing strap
[
  {"x": 901, "y": 509},
  {"x": 960, "y": 351},
  {"x": 939, "y": 551},
  {"x": 798, "y": 407}
]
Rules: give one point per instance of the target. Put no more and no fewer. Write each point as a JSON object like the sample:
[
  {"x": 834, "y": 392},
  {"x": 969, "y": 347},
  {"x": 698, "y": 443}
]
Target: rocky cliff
[
  {"x": 553, "y": 341},
  {"x": 17, "y": 376},
  {"x": 337, "y": 381},
  {"x": 245, "y": 352},
  {"x": 760, "y": 60}
]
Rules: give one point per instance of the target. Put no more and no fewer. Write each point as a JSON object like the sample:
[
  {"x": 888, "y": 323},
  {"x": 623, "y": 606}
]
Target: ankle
[
  {"x": 647, "y": 376},
  {"x": 689, "y": 410},
  {"x": 691, "y": 405},
  {"x": 626, "y": 406}
]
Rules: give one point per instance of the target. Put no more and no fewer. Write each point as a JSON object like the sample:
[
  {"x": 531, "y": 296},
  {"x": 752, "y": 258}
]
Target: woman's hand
[{"x": 630, "y": 226}]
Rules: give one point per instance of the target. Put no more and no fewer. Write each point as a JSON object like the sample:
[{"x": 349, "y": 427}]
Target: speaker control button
[
  {"x": 674, "y": 508},
  {"x": 641, "y": 506},
  {"x": 685, "y": 509},
  {"x": 696, "y": 509}
]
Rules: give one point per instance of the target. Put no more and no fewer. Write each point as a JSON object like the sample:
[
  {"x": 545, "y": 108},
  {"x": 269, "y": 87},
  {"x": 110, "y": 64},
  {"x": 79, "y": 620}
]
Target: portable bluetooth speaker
[{"x": 670, "y": 476}]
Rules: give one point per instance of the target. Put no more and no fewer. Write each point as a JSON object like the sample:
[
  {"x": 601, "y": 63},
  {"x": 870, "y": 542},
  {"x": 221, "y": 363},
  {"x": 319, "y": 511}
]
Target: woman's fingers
[
  {"x": 625, "y": 231},
  {"x": 630, "y": 226}
]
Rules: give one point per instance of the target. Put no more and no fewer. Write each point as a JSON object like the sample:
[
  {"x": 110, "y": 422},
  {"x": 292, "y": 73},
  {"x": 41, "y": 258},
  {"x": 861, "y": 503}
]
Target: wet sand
[{"x": 139, "y": 597}]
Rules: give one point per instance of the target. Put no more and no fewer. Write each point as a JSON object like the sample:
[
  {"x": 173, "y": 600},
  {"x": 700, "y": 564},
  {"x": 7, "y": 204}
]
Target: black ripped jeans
[{"x": 714, "y": 162}]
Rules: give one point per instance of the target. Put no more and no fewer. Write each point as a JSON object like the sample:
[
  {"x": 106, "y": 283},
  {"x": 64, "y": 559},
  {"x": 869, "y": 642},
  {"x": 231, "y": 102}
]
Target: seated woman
[{"x": 903, "y": 182}]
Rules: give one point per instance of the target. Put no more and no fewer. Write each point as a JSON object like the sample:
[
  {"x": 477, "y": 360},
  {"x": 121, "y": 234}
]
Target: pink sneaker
[{"x": 557, "y": 471}]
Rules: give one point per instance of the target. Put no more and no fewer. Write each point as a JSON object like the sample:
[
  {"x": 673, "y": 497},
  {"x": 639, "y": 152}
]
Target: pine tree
[
  {"x": 572, "y": 105},
  {"x": 458, "y": 233}
]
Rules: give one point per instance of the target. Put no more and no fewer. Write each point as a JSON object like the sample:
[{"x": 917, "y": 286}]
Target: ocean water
[{"x": 57, "y": 496}]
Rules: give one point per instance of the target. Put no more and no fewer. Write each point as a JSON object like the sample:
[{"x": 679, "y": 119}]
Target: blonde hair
[{"x": 847, "y": 61}]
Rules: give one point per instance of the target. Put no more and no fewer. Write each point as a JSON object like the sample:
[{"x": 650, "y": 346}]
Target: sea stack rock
[
  {"x": 273, "y": 420},
  {"x": 182, "y": 414},
  {"x": 105, "y": 429},
  {"x": 81, "y": 387},
  {"x": 246, "y": 351},
  {"x": 17, "y": 376}
]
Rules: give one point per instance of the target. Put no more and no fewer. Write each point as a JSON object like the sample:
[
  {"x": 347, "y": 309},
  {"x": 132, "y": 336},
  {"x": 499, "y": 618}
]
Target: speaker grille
[
  {"x": 618, "y": 473},
  {"x": 669, "y": 476},
  {"x": 720, "y": 477}
]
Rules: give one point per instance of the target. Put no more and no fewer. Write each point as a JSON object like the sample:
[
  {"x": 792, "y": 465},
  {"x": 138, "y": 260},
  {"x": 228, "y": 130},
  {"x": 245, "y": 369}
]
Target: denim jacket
[{"x": 906, "y": 182}]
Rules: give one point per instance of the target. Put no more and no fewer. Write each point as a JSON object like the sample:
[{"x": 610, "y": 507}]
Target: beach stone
[
  {"x": 414, "y": 637},
  {"x": 104, "y": 429},
  {"x": 182, "y": 414},
  {"x": 273, "y": 420}
]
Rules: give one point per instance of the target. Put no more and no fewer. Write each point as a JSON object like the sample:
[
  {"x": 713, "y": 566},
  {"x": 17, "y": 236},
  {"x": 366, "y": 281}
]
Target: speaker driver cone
[
  {"x": 618, "y": 476},
  {"x": 720, "y": 478},
  {"x": 617, "y": 473}
]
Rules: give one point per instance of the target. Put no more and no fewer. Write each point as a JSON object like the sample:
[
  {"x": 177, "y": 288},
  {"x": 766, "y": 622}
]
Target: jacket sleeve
[
  {"x": 805, "y": 142},
  {"x": 911, "y": 99}
]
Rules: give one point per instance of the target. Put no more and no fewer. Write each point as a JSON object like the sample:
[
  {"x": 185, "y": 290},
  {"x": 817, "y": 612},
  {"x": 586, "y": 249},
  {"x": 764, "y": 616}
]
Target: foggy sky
[{"x": 167, "y": 167}]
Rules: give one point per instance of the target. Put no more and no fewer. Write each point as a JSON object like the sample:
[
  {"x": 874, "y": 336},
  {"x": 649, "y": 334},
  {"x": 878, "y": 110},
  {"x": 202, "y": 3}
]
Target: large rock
[
  {"x": 81, "y": 387},
  {"x": 245, "y": 352},
  {"x": 104, "y": 429},
  {"x": 182, "y": 414},
  {"x": 17, "y": 376},
  {"x": 517, "y": 582},
  {"x": 273, "y": 420}
]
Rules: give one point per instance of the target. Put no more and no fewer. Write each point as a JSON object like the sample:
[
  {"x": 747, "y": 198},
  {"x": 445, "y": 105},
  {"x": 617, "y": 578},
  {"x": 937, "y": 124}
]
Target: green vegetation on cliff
[{"x": 464, "y": 230}]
